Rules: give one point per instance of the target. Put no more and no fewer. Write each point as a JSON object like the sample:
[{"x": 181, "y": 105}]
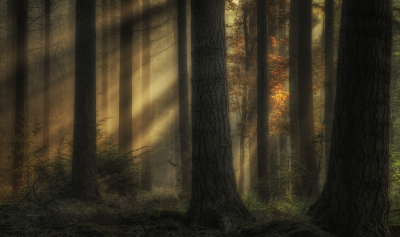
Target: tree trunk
[
  {"x": 354, "y": 201},
  {"x": 146, "y": 97},
  {"x": 329, "y": 73},
  {"x": 264, "y": 188},
  {"x": 84, "y": 164},
  {"x": 125, "y": 80},
  {"x": 184, "y": 126},
  {"x": 21, "y": 77},
  {"x": 46, "y": 80},
  {"x": 136, "y": 80},
  {"x": 104, "y": 63},
  {"x": 309, "y": 177},
  {"x": 215, "y": 200},
  {"x": 293, "y": 92}
]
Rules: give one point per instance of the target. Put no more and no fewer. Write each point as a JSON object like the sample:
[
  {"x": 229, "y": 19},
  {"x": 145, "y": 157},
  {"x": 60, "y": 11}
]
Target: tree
[
  {"x": 146, "y": 97},
  {"x": 329, "y": 70},
  {"x": 354, "y": 201},
  {"x": 21, "y": 78},
  {"x": 215, "y": 200},
  {"x": 293, "y": 83},
  {"x": 46, "y": 80},
  {"x": 306, "y": 110},
  {"x": 184, "y": 126},
  {"x": 84, "y": 165},
  {"x": 125, "y": 77},
  {"x": 104, "y": 62},
  {"x": 264, "y": 189}
]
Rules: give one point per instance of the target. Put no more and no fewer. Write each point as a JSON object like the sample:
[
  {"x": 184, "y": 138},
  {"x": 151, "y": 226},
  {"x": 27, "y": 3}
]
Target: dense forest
[{"x": 200, "y": 118}]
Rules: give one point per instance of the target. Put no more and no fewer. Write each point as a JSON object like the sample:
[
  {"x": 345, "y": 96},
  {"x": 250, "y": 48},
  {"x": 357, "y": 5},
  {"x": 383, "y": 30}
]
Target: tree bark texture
[
  {"x": 147, "y": 119},
  {"x": 84, "y": 164},
  {"x": 125, "y": 80},
  {"x": 215, "y": 199},
  {"x": 264, "y": 188},
  {"x": 46, "y": 81},
  {"x": 21, "y": 78},
  {"x": 104, "y": 62},
  {"x": 354, "y": 201},
  {"x": 329, "y": 73},
  {"x": 293, "y": 91},
  {"x": 309, "y": 176},
  {"x": 184, "y": 126}
]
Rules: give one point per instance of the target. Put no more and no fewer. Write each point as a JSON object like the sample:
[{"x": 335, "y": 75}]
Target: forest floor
[{"x": 155, "y": 214}]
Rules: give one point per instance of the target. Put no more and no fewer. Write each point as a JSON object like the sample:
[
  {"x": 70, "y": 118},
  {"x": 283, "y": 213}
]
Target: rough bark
[
  {"x": 84, "y": 164},
  {"x": 309, "y": 184},
  {"x": 263, "y": 189},
  {"x": 329, "y": 73},
  {"x": 21, "y": 78},
  {"x": 354, "y": 201},
  {"x": 184, "y": 126},
  {"x": 215, "y": 199},
  {"x": 125, "y": 79},
  {"x": 104, "y": 62},
  {"x": 146, "y": 97},
  {"x": 46, "y": 80}
]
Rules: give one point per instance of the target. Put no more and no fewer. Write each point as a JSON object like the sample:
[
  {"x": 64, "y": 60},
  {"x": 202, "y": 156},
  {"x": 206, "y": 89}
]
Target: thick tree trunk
[
  {"x": 309, "y": 177},
  {"x": 329, "y": 73},
  {"x": 293, "y": 92},
  {"x": 104, "y": 62},
  {"x": 146, "y": 97},
  {"x": 215, "y": 200},
  {"x": 84, "y": 164},
  {"x": 354, "y": 201},
  {"x": 184, "y": 126},
  {"x": 46, "y": 81},
  {"x": 21, "y": 77},
  {"x": 125, "y": 80},
  {"x": 264, "y": 188}
]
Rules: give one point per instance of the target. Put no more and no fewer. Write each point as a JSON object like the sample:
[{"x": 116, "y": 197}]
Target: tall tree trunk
[
  {"x": 137, "y": 80},
  {"x": 293, "y": 92},
  {"x": 146, "y": 97},
  {"x": 84, "y": 164},
  {"x": 125, "y": 79},
  {"x": 215, "y": 200},
  {"x": 264, "y": 189},
  {"x": 329, "y": 73},
  {"x": 46, "y": 81},
  {"x": 309, "y": 184},
  {"x": 354, "y": 201},
  {"x": 104, "y": 62},
  {"x": 71, "y": 62},
  {"x": 184, "y": 126},
  {"x": 21, "y": 77}
]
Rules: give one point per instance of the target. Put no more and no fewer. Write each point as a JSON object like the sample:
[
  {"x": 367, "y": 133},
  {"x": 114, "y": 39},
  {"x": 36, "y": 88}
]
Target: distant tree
[
  {"x": 21, "y": 103},
  {"x": 84, "y": 164},
  {"x": 146, "y": 97},
  {"x": 354, "y": 201},
  {"x": 293, "y": 86},
  {"x": 46, "y": 80},
  {"x": 305, "y": 96},
  {"x": 215, "y": 199},
  {"x": 125, "y": 77},
  {"x": 184, "y": 125},
  {"x": 263, "y": 189},
  {"x": 104, "y": 62},
  {"x": 329, "y": 73}
]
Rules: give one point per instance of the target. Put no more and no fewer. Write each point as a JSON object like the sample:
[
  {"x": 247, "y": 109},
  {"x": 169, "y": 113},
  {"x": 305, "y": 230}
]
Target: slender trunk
[
  {"x": 104, "y": 63},
  {"x": 355, "y": 199},
  {"x": 293, "y": 92},
  {"x": 21, "y": 77},
  {"x": 46, "y": 80},
  {"x": 136, "y": 80},
  {"x": 264, "y": 189},
  {"x": 84, "y": 164},
  {"x": 215, "y": 200},
  {"x": 146, "y": 97}
]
